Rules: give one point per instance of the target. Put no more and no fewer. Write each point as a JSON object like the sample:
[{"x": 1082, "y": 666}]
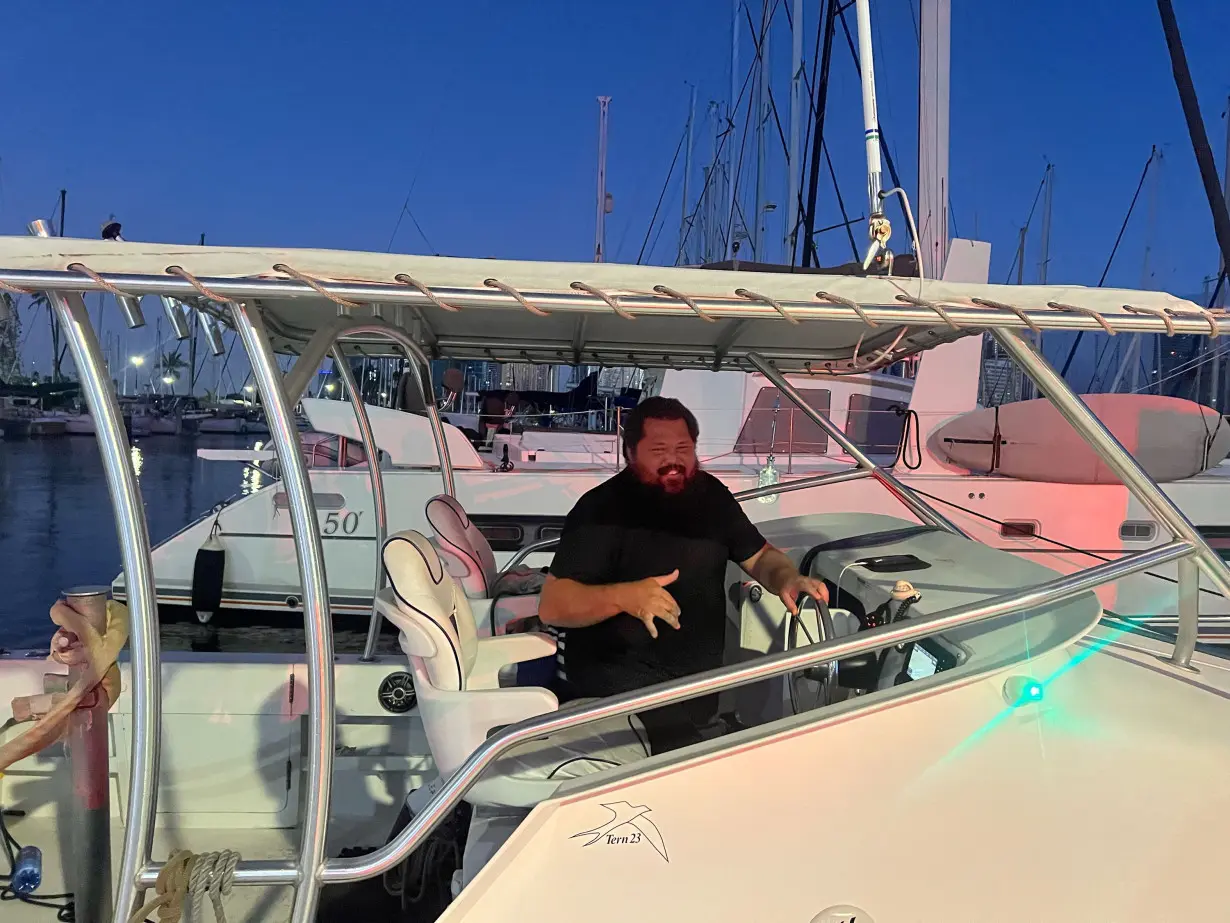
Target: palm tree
[{"x": 172, "y": 365}]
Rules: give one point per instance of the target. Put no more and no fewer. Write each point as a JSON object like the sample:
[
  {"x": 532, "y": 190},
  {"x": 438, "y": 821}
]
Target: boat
[{"x": 966, "y": 708}]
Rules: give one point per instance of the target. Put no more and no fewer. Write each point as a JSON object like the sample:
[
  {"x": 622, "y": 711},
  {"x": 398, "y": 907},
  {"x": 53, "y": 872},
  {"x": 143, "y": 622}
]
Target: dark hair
[{"x": 656, "y": 408}]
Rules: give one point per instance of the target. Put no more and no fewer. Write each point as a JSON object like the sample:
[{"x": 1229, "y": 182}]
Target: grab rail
[{"x": 336, "y": 871}]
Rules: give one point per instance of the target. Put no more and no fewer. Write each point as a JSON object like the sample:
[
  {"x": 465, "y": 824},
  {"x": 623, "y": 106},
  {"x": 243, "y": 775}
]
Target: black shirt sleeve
[
  {"x": 585, "y": 551},
  {"x": 742, "y": 537}
]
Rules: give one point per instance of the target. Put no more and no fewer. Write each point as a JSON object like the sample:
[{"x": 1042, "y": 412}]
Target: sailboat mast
[
  {"x": 600, "y": 224},
  {"x": 680, "y": 256},
  {"x": 762, "y": 118},
  {"x": 794, "y": 167},
  {"x": 933, "y": 93},
  {"x": 731, "y": 179},
  {"x": 878, "y": 228}
]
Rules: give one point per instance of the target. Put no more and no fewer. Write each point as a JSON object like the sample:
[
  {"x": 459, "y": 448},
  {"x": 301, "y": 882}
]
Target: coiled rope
[{"x": 185, "y": 880}]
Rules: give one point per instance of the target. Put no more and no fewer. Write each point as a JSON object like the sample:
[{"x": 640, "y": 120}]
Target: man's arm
[
  {"x": 568, "y": 603},
  {"x": 776, "y": 572}
]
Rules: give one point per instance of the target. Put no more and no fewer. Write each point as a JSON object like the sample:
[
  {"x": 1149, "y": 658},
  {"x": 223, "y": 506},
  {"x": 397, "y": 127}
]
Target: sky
[{"x": 309, "y": 125}]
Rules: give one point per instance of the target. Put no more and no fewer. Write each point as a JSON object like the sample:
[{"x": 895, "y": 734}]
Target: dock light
[
  {"x": 1022, "y": 690},
  {"x": 249, "y": 389},
  {"x": 213, "y": 331},
  {"x": 175, "y": 314},
  {"x": 138, "y": 361}
]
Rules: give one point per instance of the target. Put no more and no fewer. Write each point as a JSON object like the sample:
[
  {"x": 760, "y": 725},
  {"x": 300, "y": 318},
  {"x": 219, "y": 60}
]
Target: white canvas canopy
[{"x": 600, "y": 313}]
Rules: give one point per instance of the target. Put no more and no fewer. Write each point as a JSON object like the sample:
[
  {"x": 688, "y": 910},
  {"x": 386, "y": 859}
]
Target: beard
[{"x": 672, "y": 480}]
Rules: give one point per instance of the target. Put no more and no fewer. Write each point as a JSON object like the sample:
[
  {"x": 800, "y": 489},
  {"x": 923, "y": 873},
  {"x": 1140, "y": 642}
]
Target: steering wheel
[{"x": 813, "y": 687}]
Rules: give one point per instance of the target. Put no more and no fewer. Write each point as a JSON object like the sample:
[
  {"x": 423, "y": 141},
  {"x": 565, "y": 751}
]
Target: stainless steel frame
[
  {"x": 310, "y": 869},
  {"x": 894, "y": 486},
  {"x": 130, "y": 523},
  {"x": 1108, "y": 448},
  {"x": 317, "y": 622}
]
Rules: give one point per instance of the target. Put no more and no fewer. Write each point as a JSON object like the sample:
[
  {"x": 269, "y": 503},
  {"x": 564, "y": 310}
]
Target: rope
[
  {"x": 919, "y": 302},
  {"x": 316, "y": 286},
  {"x": 584, "y": 287},
  {"x": 99, "y": 280},
  {"x": 425, "y": 291},
  {"x": 849, "y": 303},
  {"x": 987, "y": 303},
  {"x": 14, "y": 290},
  {"x": 1088, "y": 312},
  {"x": 509, "y": 290},
  {"x": 198, "y": 284},
  {"x": 185, "y": 880},
  {"x": 1155, "y": 312},
  {"x": 686, "y": 299},
  {"x": 765, "y": 299}
]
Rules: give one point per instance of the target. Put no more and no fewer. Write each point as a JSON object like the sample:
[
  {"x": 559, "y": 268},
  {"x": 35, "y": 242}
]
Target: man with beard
[{"x": 637, "y": 584}]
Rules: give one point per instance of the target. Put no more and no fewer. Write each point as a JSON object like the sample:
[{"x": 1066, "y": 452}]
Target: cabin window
[
  {"x": 1142, "y": 531},
  {"x": 1019, "y": 528},
  {"x": 502, "y": 536},
  {"x": 323, "y": 501},
  {"x": 546, "y": 533},
  {"x": 874, "y": 423},
  {"x": 790, "y": 430}
]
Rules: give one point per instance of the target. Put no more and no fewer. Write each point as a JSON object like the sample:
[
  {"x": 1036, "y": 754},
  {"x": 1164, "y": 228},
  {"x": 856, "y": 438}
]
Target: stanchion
[{"x": 89, "y": 820}]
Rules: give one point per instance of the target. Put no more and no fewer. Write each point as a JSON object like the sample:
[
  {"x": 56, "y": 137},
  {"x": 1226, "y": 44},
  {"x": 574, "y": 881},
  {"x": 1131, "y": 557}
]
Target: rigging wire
[
  {"x": 1028, "y": 221},
  {"x": 654, "y": 219},
  {"x": 1113, "y": 250}
]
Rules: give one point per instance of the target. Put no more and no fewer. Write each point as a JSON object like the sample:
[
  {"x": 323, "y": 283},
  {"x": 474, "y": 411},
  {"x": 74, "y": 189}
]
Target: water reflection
[
  {"x": 56, "y": 523},
  {"x": 253, "y": 477}
]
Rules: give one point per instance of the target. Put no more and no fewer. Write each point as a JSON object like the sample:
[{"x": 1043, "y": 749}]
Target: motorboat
[{"x": 954, "y": 687}]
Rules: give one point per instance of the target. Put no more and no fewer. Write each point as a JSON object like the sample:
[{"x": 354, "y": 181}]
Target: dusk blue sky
[{"x": 305, "y": 124}]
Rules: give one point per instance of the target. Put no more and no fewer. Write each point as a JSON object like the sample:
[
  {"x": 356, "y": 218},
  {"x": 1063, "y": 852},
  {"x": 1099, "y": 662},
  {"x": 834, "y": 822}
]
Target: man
[{"x": 637, "y": 584}]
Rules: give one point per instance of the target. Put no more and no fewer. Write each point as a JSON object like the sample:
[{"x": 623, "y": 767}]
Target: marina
[{"x": 348, "y": 583}]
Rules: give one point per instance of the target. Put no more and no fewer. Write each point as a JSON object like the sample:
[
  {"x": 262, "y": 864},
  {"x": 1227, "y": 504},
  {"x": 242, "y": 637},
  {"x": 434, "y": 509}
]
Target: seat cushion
[
  {"x": 520, "y": 581},
  {"x": 531, "y": 772}
]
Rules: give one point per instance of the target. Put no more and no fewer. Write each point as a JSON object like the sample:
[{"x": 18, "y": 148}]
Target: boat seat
[
  {"x": 507, "y": 596},
  {"x": 460, "y": 699}
]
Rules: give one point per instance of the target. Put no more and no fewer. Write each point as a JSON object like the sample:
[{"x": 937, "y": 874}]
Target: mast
[
  {"x": 681, "y": 257},
  {"x": 1215, "y": 371},
  {"x": 878, "y": 227},
  {"x": 603, "y": 208},
  {"x": 933, "y": 133},
  {"x": 821, "y": 91},
  {"x": 1195, "y": 127},
  {"x": 731, "y": 179},
  {"x": 56, "y": 352},
  {"x": 794, "y": 167},
  {"x": 762, "y": 117}
]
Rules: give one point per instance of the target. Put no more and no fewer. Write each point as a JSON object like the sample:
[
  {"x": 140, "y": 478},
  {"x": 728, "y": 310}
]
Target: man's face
[{"x": 666, "y": 455}]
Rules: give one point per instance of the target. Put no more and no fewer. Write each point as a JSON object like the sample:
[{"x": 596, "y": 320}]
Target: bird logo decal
[{"x": 628, "y": 825}]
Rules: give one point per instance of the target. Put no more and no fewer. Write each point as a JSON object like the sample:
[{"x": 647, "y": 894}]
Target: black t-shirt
[{"x": 624, "y": 530}]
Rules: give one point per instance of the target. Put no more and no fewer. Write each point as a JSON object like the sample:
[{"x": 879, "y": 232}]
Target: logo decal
[{"x": 628, "y": 825}]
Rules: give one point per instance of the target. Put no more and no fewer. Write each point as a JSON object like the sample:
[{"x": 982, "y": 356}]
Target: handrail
[
  {"x": 547, "y": 544},
  {"x": 818, "y": 480},
  {"x": 379, "y": 507},
  {"x": 712, "y": 681}
]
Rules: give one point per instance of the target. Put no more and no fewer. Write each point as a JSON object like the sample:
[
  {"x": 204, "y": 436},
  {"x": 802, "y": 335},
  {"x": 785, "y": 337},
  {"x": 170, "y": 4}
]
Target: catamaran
[{"x": 959, "y": 688}]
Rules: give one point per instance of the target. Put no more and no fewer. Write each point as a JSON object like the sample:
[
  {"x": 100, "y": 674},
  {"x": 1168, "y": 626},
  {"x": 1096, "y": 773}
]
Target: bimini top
[{"x": 600, "y": 313}]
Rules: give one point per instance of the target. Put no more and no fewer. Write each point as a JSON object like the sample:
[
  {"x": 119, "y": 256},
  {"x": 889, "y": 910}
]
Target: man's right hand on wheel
[{"x": 648, "y": 600}]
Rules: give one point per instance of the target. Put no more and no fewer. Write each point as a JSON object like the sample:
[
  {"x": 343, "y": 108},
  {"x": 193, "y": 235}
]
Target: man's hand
[
  {"x": 797, "y": 584},
  {"x": 648, "y": 600}
]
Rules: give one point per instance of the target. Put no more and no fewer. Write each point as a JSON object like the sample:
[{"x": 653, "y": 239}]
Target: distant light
[
  {"x": 249, "y": 388},
  {"x": 168, "y": 380},
  {"x": 383, "y": 395},
  {"x": 329, "y": 387},
  {"x": 138, "y": 361}
]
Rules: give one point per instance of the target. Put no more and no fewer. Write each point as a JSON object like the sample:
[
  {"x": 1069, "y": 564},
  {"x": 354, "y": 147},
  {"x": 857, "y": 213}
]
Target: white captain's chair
[
  {"x": 497, "y": 597},
  {"x": 460, "y": 699}
]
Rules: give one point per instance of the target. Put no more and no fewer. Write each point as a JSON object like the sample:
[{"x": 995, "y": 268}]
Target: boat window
[
  {"x": 1141, "y": 531},
  {"x": 874, "y": 423},
  {"x": 502, "y": 536},
  {"x": 793, "y": 434},
  {"x": 323, "y": 501},
  {"x": 549, "y": 532},
  {"x": 1018, "y": 529}
]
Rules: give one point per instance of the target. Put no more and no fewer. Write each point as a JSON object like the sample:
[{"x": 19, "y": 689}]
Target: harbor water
[{"x": 56, "y": 523}]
